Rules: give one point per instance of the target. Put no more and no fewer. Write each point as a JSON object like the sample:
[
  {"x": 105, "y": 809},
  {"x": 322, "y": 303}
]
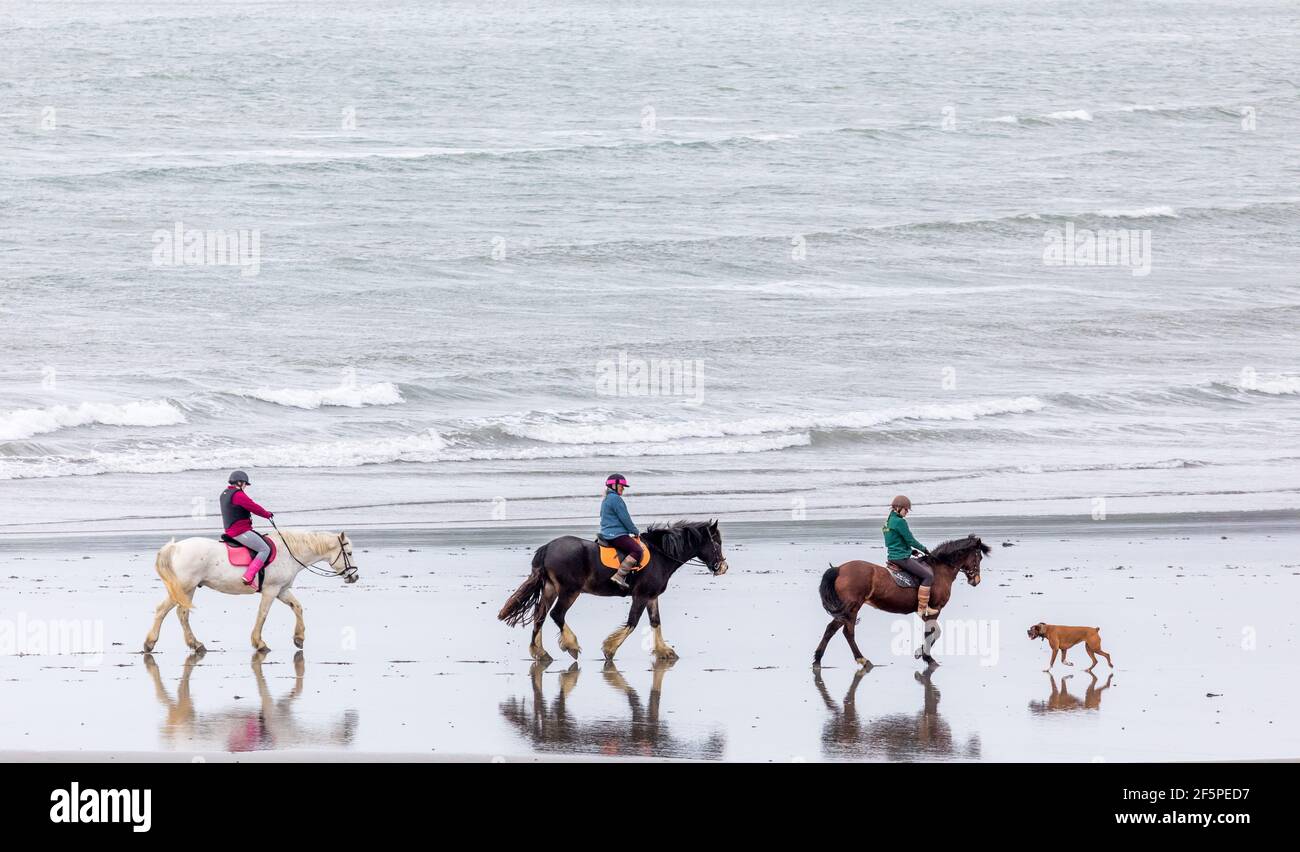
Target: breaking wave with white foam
[{"x": 26, "y": 423}]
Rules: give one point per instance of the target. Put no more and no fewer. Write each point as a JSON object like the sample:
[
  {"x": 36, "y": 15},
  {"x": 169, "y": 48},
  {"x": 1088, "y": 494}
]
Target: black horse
[{"x": 569, "y": 566}]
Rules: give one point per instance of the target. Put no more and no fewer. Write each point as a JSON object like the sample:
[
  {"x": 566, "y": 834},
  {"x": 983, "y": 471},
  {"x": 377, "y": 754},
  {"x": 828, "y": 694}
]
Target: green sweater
[{"x": 899, "y": 539}]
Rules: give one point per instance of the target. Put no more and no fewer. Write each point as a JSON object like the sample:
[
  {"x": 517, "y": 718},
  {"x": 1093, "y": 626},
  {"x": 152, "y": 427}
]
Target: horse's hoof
[
  {"x": 574, "y": 652},
  {"x": 542, "y": 657},
  {"x": 609, "y": 658},
  {"x": 298, "y": 640},
  {"x": 862, "y": 661},
  {"x": 198, "y": 648},
  {"x": 148, "y": 647},
  {"x": 263, "y": 650},
  {"x": 668, "y": 654}
]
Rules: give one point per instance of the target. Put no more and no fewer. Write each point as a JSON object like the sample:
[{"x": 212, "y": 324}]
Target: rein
[{"x": 348, "y": 567}]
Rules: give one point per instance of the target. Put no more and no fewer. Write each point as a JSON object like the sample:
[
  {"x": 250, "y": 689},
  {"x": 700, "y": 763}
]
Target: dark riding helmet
[
  {"x": 615, "y": 479},
  {"x": 238, "y": 476},
  {"x": 901, "y": 502}
]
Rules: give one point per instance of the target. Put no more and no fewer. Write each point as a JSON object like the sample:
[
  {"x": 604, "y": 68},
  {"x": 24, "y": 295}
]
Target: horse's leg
[
  {"x": 931, "y": 636},
  {"x": 663, "y": 650},
  {"x": 158, "y": 615},
  {"x": 568, "y": 641},
  {"x": 263, "y": 607},
  {"x": 831, "y": 630},
  {"x": 850, "y": 629},
  {"x": 299, "y": 629},
  {"x": 535, "y": 648},
  {"x": 184, "y": 615},
  {"x": 615, "y": 639}
]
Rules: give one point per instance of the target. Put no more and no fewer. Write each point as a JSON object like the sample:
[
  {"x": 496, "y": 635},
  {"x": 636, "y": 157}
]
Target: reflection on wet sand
[
  {"x": 551, "y": 727},
  {"x": 1061, "y": 699},
  {"x": 238, "y": 729},
  {"x": 895, "y": 736}
]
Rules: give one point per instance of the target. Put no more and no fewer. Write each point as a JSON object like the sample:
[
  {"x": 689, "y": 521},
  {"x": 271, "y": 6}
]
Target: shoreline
[{"x": 994, "y": 528}]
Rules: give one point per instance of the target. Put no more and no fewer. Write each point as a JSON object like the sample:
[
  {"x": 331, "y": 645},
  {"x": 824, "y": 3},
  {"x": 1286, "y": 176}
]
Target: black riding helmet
[{"x": 238, "y": 476}]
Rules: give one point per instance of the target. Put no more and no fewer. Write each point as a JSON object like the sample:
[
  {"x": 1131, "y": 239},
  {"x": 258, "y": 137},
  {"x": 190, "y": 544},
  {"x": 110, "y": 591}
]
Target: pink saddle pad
[{"x": 241, "y": 556}]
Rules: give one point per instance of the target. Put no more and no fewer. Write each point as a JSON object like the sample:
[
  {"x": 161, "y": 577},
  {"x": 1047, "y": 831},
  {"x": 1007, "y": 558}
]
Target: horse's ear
[{"x": 713, "y": 524}]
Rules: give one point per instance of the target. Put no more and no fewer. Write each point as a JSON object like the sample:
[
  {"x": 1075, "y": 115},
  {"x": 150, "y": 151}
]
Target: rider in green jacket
[{"x": 900, "y": 544}]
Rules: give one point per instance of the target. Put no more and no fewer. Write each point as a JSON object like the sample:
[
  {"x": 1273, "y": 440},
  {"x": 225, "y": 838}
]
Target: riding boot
[
  {"x": 250, "y": 576},
  {"x": 923, "y": 603},
  {"x": 620, "y": 577}
]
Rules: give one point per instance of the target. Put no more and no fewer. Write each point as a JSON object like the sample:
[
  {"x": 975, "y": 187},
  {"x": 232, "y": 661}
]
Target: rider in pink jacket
[{"x": 237, "y": 510}]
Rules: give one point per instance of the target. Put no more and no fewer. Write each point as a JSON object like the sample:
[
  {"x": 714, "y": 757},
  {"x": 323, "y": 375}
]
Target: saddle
[
  {"x": 612, "y": 557},
  {"x": 241, "y": 556},
  {"x": 901, "y": 577}
]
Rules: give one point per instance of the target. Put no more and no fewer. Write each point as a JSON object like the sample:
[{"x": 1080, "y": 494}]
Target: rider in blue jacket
[{"x": 616, "y": 527}]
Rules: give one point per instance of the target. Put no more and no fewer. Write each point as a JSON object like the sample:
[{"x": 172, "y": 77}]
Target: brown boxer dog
[{"x": 1063, "y": 638}]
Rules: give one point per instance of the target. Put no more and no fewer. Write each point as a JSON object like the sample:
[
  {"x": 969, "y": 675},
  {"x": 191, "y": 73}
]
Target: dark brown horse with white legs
[
  {"x": 845, "y": 588},
  {"x": 569, "y": 566}
]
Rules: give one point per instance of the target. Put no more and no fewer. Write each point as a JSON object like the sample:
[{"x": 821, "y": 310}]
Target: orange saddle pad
[{"x": 610, "y": 559}]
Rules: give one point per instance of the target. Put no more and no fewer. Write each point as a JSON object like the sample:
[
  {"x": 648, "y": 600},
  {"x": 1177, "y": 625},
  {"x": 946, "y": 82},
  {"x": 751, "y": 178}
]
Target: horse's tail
[
  {"x": 521, "y": 605},
  {"x": 830, "y": 598},
  {"x": 163, "y": 565}
]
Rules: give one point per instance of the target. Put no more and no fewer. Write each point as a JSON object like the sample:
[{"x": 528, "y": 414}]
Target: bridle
[{"x": 350, "y": 569}]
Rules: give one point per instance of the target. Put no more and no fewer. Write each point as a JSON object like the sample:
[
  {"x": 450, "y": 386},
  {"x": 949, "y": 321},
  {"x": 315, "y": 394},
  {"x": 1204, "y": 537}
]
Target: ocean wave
[
  {"x": 1158, "y": 212},
  {"x": 26, "y": 423},
  {"x": 427, "y": 447},
  {"x": 1277, "y": 386},
  {"x": 645, "y": 431},
  {"x": 346, "y": 395},
  {"x": 1070, "y": 115}
]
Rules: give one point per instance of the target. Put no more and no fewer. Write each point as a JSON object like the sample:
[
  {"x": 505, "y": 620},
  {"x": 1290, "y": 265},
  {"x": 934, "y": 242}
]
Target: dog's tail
[
  {"x": 830, "y": 598},
  {"x": 163, "y": 565}
]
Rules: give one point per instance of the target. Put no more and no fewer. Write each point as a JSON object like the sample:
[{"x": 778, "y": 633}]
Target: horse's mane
[
  {"x": 304, "y": 540},
  {"x": 951, "y": 551},
  {"x": 686, "y": 532}
]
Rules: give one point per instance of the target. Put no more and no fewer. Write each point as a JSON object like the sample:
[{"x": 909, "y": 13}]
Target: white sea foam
[
  {"x": 1158, "y": 212},
  {"x": 1278, "y": 386},
  {"x": 28, "y": 422},
  {"x": 426, "y": 447},
  {"x": 645, "y": 431},
  {"x": 347, "y": 395},
  {"x": 1071, "y": 115}
]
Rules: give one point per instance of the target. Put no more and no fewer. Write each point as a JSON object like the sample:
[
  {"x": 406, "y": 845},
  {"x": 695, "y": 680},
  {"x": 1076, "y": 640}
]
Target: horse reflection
[
  {"x": 1061, "y": 700},
  {"x": 551, "y": 727},
  {"x": 240, "y": 729},
  {"x": 896, "y": 736}
]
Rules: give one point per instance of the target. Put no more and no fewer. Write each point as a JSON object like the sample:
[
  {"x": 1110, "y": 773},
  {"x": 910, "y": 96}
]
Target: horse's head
[
  {"x": 343, "y": 564},
  {"x": 964, "y": 555},
  {"x": 711, "y": 551},
  {"x": 687, "y": 540}
]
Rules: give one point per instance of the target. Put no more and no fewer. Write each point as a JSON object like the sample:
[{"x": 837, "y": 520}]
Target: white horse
[{"x": 193, "y": 562}]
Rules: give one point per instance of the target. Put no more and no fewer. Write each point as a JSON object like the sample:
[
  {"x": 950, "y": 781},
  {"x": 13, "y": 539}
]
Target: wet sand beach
[{"x": 411, "y": 662}]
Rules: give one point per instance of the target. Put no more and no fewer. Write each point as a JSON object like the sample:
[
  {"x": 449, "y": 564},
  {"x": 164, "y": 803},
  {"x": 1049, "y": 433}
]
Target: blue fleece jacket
[{"x": 614, "y": 518}]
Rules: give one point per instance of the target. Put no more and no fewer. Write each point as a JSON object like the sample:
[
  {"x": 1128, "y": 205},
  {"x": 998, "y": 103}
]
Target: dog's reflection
[
  {"x": 551, "y": 726},
  {"x": 1060, "y": 700},
  {"x": 238, "y": 729},
  {"x": 894, "y": 736}
]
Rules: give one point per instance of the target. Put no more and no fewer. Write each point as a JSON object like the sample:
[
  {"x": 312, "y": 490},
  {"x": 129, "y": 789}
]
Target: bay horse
[
  {"x": 568, "y": 566},
  {"x": 192, "y": 563},
  {"x": 845, "y": 588}
]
